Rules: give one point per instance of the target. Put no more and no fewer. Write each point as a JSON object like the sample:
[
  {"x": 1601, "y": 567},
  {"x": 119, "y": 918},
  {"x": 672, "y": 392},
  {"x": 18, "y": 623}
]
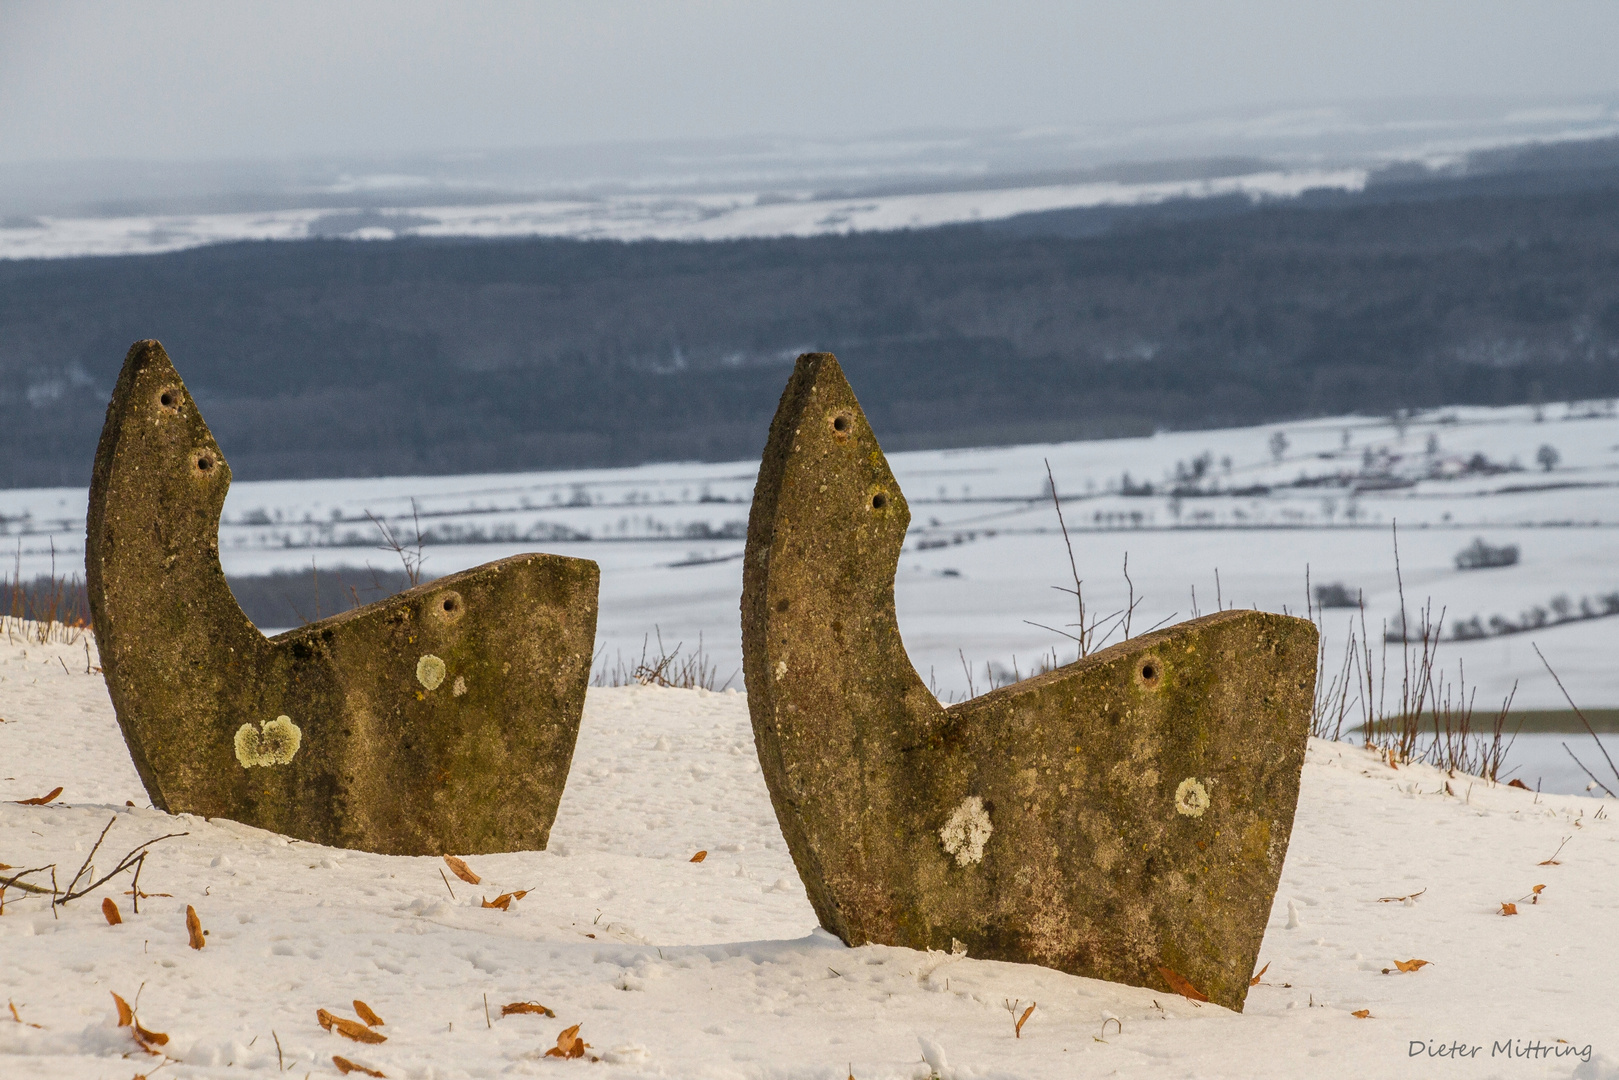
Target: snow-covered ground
[
  {"x": 984, "y": 550},
  {"x": 661, "y": 216},
  {"x": 716, "y": 969}
]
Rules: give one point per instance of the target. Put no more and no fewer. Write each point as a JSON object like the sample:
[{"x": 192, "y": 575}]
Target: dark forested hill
[{"x": 330, "y": 358}]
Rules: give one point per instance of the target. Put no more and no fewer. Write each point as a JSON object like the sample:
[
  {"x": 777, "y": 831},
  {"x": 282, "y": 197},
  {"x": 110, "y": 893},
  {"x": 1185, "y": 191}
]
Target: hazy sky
[{"x": 211, "y": 79}]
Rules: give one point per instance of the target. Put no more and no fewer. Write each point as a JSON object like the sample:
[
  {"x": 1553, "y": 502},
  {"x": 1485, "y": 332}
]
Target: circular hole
[
  {"x": 841, "y": 423},
  {"x": 204, "y": 464},
  {"x": 1149, "y": 672},
  {"x": 449, "y": 603},
  {"x": 878, "y": 501},
  {"x": 166, "y": 399}
]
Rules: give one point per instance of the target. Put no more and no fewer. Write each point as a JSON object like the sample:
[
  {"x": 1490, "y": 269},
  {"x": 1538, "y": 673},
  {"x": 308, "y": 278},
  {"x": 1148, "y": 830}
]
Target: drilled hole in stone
[
  {"x": 1149, "y": 672},
  {"x": 878, "y": 501},
  {"x": 204, "y": 463},
  {"x": 166, "y": 399},
  {"x": 841, "y": 422},
  {"x": 449, "y": 603}
]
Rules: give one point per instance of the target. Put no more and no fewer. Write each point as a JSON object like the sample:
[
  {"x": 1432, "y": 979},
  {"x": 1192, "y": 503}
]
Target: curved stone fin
[
  {"x": 439, "y": 720},
  {"x": 1122, "y": 815}
]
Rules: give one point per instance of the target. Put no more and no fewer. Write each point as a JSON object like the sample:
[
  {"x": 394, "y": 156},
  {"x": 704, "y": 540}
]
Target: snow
[
  {"x": 716, "y": 968},
  {"x": 660, "y": 216}
]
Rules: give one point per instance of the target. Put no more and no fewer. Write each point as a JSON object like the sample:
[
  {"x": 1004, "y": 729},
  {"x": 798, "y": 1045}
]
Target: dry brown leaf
[
  {"x": 1515, "y": 782},
  {"x": 1535, "y": 892},
  {"x": 345, "y": 1066},
  {"x": 41, "y": 800},
  {"x": 504, "y": 900},
  {"x": 700, "y": 856},
  {"x": 17, "y": 1017},
  {"x": 149, "y": 1039},
  {"x": 462, "y": 870},
  {"x": 5, "y": 866},
  {"x": 1362, "y": 1014},
  {"x": 366, "y": 1013},
  {"x": 350, "y": 1029},
  {"x": 194, "y": 928},
  {"x": 1260, "y": 975},
  {"x": 1509, "y": 909},
  {"x": 1017, "y": 1030},
  {"x": 1180, "y": 985},
  {"x": 1407, "y": 965},
  {"x": 569, "y": 1044},
  {"x": 110, "y": 910},
  {"x": 526, "y": 1007},
  {"x": 126, "y": 1015}
]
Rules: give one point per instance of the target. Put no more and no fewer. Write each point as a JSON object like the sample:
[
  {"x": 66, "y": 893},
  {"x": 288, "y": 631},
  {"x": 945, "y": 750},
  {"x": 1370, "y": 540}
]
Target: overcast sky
[{"x": 194, "y": 79}]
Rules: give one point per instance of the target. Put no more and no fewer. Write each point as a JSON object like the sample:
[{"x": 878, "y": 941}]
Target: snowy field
[
  {"x": 660, "y": 216},
  {"x": 984, "y": 550},
  {"x": 716, "y": 969}
]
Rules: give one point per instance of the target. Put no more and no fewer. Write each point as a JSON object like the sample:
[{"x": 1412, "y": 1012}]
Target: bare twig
[
  {"x": 1591, "y": 731},
  {"x": 131, "y": 860},
  {"x": 1084, "y": 646}
]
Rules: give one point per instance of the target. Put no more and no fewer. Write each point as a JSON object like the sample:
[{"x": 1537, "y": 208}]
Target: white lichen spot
[
  {"x": 967, "y": 831},
  {"x": 274, "y": 742},
  {"x": 781, "y": 668},
  {"x": 460, "y": 686},
  {"x": 430, "y": 671},
  {"x": 1191, "y": 798}
]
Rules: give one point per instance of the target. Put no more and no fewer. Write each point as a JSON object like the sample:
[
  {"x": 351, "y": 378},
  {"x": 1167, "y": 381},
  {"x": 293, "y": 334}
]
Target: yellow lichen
[
  {"x": 274, "y": 742},
  {"x": 430, "y": 671},
  {"x": 1191, "y": 797},
  {"x": 967, "y": 831}
]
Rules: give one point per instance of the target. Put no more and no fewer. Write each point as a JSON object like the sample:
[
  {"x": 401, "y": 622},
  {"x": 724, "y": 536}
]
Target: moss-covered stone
[
  {"x": 1126, "y": 813},
  {"x": 346, "y": 731}
]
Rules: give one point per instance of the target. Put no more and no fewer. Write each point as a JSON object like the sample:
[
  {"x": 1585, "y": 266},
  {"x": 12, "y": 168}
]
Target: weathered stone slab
[
  {"x": 1121, "y": 815},
  {"x": 440, "y": 720}
]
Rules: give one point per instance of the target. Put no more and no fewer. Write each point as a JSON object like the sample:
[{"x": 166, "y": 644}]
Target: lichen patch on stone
[
  {"x": 1191, "y": 798},
  {"x": 460, "y": 686},
  {"x": 274, "y": 742},
  {"x": 430, "y": 671},
  {"x": 967, "y": 831}
]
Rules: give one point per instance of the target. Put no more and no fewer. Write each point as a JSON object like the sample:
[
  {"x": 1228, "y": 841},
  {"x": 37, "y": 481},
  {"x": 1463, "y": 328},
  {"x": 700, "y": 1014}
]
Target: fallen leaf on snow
[
  {"x": 1515, "y": 782},
  {"x": 110, "y": 910},
  {"x": 15, "y": 1016},
  {"x": 1255, "y": 980},
  {"x": 366, "y": 1013},
  {"x": 149, "y": 1039},
  {"x": 526, "y": 1007},
  {"x": 194, "y": 928},
  {"x": 1362, "y": 1014},
  {"x": 345, "y": 1066},
  {"x": 41, "y": 800},
  {"x": 1407, "y": 965},
  {"x": 504, "y": 900},
  {"x": 1017, "y": 1031},
  {"x": 700, "y": 856},
  {"x": 462, "y": 870},
  {"x": 126, "y": 1015},
  {"x": 350, "y": 1029},
  {"x": 1509, "y": 909},
  {"x": 1181, "y": 985},
  {"x": 569, "y": 1044}
]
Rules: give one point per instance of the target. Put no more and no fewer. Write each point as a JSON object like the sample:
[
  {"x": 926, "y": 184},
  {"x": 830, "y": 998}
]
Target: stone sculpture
[
  {"x": 1124, "y": 817},
  {"x": 440, "y": 720}
]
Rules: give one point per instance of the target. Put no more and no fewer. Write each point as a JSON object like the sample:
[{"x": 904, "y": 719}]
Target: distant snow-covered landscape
[{"x": 1236, "y": 517}]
